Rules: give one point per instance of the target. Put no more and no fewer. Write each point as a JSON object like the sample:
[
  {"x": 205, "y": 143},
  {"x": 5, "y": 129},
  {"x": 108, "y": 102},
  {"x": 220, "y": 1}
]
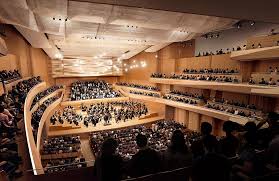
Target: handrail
[
  {"x": 33, "y": 152},
  {"x": 43, "y": 119}
]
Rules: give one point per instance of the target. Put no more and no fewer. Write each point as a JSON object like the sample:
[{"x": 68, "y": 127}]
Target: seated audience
[
  {"x": 63, "y": 164},
  {"x": 44, "y": 93},
  {"x": 8, "y": 76},
  {"x": 62, "y": 144},
  {"x": 203, "y": 77},
  {"x": 145, "y": 87},
  {"x": 151, "y": 94},
  {"x": 96, "y": 89}
]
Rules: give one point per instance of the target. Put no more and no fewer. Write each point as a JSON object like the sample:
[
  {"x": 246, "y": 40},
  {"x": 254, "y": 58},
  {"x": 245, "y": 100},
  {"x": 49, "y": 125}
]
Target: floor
[{"x": 86, "y": 151}]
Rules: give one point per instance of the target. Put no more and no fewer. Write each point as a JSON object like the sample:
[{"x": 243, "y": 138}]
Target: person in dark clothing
[
  {"x": 207, "y": 137},
  {"x": 177, "y": 155},
  {"x": 211, "y": 166},
  {"x": 145, "y": 161},
  {"x": 229, "y": 145},
  {"x": 108, "y": 166},
  {"x": 267, "y": 134}
]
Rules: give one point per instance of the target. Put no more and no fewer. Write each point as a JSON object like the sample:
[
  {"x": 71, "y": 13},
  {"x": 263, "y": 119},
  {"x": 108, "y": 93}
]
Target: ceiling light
[
  {"x": 156, "y": 56},
  {"x": 126, "y": 70},
  {"x": 134, "y": 61},
  {"x": 125, "y": 64}
]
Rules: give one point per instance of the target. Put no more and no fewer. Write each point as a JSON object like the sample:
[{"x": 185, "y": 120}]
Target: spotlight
[{"x": 156, "y": 56}]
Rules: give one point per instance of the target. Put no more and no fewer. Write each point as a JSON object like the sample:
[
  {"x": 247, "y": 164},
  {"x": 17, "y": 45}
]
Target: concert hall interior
[{"x": 139, "y": 90}]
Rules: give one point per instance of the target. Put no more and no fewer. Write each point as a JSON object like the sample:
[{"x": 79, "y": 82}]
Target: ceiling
[{"x": 101, "y": 31}]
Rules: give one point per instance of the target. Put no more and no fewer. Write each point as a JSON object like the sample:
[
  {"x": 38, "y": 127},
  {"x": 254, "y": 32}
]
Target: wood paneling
[
  {"x": 193, "y": 63},
  {"x": 224, "y": 62},
  {"x": 19, "y": 47},
  {"x": 140, "y": 74},
  {"x": 265, "y": 41},
  {"x": 40, "y": 63},
  {"x": 194, "y": 121},
  {"x": 181, "y": 116},
  {"x": 178, "y": 50},
  {"x": 8, "y": 62}
]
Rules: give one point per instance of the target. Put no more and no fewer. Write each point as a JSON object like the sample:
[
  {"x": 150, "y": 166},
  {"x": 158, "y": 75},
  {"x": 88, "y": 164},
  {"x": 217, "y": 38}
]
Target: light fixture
[
  {"x": 252, "y": 23},
  {"x": 58, "y": 56},
  {"x": 125, "y": 64},
  {"x": 156, "y": 56},
  {"x": 126, "y": 70}
]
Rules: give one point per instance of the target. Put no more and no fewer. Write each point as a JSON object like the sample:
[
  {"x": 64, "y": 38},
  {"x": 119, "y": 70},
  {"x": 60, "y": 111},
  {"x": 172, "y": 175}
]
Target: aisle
[{"x": 86, "y": 151}]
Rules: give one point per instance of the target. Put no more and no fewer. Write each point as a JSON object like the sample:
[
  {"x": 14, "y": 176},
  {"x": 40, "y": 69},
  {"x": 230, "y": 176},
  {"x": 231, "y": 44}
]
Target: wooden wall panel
[
  {"x": 224, "y": 62},
  {"x": 181, "y": 116},
  {"x": 236, "y": 97},
  {"x": 40, "y": 62},
  {"x": 18, "y": 46},
  {"x": 167, "y": 66},
  {"x": 178, "y": 50},
  {"x": 194, "y": 121},
  {"x": 208, "y": 119},
  {"x": 140, "y": 75},
  {"x": 192, "y": 63},
  {"x": 263, "y": 66},
  {"x": 265, "y": 41},
  {"x": 169, "y": 112},
  {"x": 8, "y": 62}
]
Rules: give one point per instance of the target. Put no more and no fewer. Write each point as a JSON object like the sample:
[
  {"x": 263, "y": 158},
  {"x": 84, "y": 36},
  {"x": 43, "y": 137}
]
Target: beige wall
[
  {"x": 141, "y": 74},
  {"x": 22, "y": 56}
]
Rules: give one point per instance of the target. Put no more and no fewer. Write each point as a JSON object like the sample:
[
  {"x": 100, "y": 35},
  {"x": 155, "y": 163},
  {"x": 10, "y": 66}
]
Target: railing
[
  {"x": 46, "y": 114},
  {"x": 33, "y": 152}
]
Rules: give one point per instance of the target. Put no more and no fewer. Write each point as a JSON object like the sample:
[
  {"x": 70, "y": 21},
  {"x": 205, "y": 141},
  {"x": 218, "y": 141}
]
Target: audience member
[
  {"x": 177, "y": 155},
  {"x": 145, "y": 161},
  {"x": 108, "y": 165},
  {"x": 229, "y": 144}
]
